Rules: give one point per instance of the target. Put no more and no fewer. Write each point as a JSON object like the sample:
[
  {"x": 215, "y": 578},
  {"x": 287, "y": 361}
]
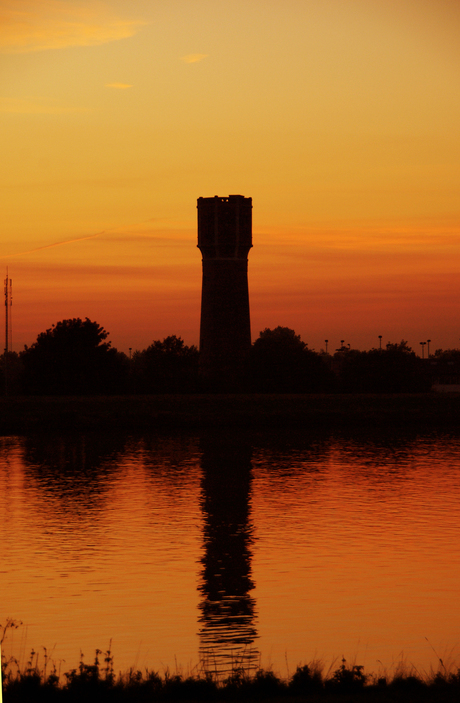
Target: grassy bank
[
  {"x": 25, "y": 414},
  {"x": 99, "y": 682}
]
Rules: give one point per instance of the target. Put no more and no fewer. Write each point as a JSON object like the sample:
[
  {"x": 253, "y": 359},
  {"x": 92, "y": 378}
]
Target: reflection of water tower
[
  {"x": 228, "y": 610},
  {"x": 224, "y": 238}
]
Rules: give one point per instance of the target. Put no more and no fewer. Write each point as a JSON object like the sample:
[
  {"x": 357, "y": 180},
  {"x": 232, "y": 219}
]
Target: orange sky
[{"x": 338, "y": 117}]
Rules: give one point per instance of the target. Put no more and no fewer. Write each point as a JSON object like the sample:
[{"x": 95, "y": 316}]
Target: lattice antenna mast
[{"x": 8, "y": 304}]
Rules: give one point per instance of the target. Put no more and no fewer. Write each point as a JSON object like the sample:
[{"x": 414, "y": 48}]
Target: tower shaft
[{"x": 224, "y": 239}]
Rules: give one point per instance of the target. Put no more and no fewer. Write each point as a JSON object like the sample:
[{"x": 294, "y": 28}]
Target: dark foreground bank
[
  {"x": 98, "y": 682},
  {"x": 24, "y": 414}
]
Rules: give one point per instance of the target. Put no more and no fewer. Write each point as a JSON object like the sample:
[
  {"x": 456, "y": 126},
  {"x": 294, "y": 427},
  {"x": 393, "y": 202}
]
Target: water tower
[{"x": 224, "y": 239}]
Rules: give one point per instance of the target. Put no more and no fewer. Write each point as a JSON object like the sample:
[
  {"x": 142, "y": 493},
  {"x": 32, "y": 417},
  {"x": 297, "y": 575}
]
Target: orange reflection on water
[
  {"x": 219, "y": 547},
  {"x": 368, "y": 540},
  {"x": 96, "y": 552}
]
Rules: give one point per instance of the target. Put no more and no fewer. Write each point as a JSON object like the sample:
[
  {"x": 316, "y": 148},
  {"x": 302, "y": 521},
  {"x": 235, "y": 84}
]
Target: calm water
[{"x": 278, "y": 550}]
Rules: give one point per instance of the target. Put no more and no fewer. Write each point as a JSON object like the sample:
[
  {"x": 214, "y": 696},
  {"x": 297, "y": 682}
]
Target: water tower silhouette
[{"x": 224, "y": 238}]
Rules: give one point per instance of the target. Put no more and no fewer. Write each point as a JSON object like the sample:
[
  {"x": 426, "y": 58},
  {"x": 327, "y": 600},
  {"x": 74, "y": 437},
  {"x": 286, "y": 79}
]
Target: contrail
[
  {"x": 78, "y": 239},
  {"x": 49, "y": 246}
]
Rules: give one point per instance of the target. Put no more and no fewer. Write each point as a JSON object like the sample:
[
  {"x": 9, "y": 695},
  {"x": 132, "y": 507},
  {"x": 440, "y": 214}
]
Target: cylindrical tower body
[{"x": 224, "y": 238}]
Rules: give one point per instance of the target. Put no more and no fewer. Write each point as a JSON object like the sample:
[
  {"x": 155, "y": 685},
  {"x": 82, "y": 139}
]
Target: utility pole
[{"x": 8, "y": 304}]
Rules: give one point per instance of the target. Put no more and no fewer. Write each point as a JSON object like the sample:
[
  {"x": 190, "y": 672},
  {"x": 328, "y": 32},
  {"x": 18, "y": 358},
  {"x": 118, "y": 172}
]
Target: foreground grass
[{"x": 98, "y": 682}]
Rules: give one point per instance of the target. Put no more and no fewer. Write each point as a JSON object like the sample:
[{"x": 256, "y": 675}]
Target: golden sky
[{"x": 340, "y": 118}]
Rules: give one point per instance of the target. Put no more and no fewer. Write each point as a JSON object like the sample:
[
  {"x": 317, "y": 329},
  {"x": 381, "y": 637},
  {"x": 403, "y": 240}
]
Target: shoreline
[
  {"x": 344, "y": 683},
  {"x": 425, "y": 411}
]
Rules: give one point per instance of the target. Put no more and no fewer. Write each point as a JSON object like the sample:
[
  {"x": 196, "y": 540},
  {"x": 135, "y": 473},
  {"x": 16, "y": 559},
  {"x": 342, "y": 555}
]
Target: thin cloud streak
[
  {"x": 50, "y": 246},
  {"x": 146, "y": 277},
  {"x": 194, "y": 58},
  {"x": 119, "y": 86},
  {"x": 36, "y": 106},
  {"x": 123, "y": 234},
  {"x": 53, "y": 24}
]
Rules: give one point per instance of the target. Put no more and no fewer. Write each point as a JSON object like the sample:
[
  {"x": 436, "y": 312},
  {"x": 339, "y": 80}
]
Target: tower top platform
[
  {"x": 225, "y": 227},
  {"x": 227, "y": 199}
]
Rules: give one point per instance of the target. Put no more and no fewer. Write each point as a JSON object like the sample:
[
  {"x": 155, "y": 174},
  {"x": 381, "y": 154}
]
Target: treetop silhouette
[{"x": 71, "y": 358}]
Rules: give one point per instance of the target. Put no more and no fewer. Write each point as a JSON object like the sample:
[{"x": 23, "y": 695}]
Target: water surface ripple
[{"x": 232, "y": 549}]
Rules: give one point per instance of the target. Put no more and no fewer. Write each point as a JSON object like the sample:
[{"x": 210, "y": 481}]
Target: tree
[
  {"x": 167, "y": 366},
  {"x": 11, "y": 371},
  {"x": 395, "y": 369},
  {"x": 444, "y": 367},
  {"x": 448, "y": 355},
  {"x": 401, "y": 347},
  {"x": 282, "y": 363},
  {"x": 72, "y": 358}
]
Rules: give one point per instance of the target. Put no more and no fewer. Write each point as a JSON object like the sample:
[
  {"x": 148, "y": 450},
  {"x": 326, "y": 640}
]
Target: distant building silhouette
[{"x": 225, "y": 238}]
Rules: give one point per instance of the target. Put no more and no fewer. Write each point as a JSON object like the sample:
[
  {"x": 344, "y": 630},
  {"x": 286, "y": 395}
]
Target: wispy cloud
[
  {"x": 38, "y": 25},
  {"x": 132, "y": 272},
  {"x": 50, "y": 246},
  {"x": 166, "y": 235},
  {"x": 36, "y": 106},
  {"x": 194, "y": 58},
  {"x": 120, "y": 86}
]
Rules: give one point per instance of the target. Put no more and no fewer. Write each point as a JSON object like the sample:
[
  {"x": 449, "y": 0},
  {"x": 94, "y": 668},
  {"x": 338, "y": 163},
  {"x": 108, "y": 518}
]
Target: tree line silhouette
[{"x": 73, "y": 357}]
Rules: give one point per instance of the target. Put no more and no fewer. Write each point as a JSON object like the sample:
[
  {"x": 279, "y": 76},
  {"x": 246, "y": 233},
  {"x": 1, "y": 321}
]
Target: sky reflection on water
[{"x": 225, "y": 547}]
